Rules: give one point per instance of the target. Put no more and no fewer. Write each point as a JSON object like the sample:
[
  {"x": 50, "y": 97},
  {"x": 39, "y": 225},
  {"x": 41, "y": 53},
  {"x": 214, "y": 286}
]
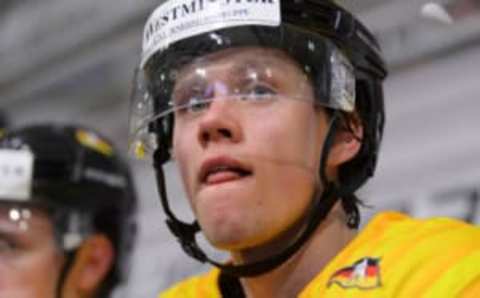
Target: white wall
[{"x": 432, "y": 139}]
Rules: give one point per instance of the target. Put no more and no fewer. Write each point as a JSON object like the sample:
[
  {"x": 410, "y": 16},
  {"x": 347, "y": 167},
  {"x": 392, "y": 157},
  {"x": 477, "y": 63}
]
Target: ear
[
  {"x": 346, "y": 145},
  {"x": 92, "y": 263}
]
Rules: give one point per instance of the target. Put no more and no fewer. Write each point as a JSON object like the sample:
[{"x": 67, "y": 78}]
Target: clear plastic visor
[{"x": 248, "y": 78}]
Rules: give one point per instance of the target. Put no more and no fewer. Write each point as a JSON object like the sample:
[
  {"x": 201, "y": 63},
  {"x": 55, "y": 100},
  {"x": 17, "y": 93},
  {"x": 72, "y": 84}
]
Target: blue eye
[
  {"x": 262, "y": 90},
  {"x": 258, "y": 93},
  {"x": 193, "y": 105},
  {"x": 197, "y": 104},
  {"x": 192, "y": 97}
]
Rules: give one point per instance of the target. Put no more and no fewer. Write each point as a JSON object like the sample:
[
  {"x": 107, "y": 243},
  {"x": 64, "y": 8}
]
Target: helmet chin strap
[{"x": 322, "y": 202}]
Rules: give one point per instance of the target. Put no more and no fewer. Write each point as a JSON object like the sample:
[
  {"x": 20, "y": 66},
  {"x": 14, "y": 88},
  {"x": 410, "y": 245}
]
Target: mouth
[{"x": 223, "y": 169}]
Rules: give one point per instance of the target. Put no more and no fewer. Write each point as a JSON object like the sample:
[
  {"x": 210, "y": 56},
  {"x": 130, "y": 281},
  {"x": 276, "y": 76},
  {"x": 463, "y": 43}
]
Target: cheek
[
  {"x": 287, "y": 168},
  {"x": 293, "y": 137},
  {"x": 31, "y": 275},
  {"x": 49, "y": 271},
  {"x": 184, "y": 155},
  {"x": 287, "y": 192}
]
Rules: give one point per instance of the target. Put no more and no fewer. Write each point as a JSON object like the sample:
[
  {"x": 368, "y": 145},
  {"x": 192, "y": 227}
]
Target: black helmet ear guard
[
  {"x": 346, "y": 69},
  {"x": 78, "y": 175}
]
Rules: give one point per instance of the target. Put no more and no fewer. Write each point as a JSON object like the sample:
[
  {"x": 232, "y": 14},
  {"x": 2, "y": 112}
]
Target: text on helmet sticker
[
  {"x": 175, "y": 20},
  {"x": 16, "y": 173}
]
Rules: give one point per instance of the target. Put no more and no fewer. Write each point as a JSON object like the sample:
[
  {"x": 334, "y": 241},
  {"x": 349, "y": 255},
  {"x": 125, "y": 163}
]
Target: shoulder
[
  {"x": 398, "y": 256},
  {"x": 400, "y": 229},
  {"x": 431, "y": 256},
  {"x": 394, "y": 235},
  {"x": 200, "y": 286}
]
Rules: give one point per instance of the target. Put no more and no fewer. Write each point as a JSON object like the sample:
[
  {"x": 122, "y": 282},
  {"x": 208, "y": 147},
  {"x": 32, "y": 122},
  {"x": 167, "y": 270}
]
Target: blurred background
[{"x": 73, "y": 61}]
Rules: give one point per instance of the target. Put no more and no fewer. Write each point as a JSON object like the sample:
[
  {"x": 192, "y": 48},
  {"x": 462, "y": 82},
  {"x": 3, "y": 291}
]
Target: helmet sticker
[
  {"x": 16, "y": 171},
  {"x": 94, "y": 142},
  {"x": 175, "y": 20}
]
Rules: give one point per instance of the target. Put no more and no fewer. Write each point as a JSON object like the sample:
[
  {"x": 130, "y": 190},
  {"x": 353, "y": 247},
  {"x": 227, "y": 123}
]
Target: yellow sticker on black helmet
[{"x": 94, "y": 142}]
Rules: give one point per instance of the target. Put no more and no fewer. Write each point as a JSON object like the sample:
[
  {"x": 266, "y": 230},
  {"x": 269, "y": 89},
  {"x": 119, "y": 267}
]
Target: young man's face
[
  {"x": 249, "y": 167},
  {"x": 30, "y": 261}
]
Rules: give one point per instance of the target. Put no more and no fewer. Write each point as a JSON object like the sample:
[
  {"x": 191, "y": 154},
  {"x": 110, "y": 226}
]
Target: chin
[
  {"x": 224, "y": 213},
  {"x": 226, "y": 237},
  {"x": 224, "y": 230},
  {"x": 232, "y": 231},
  {"x": 226, "y": 242}
]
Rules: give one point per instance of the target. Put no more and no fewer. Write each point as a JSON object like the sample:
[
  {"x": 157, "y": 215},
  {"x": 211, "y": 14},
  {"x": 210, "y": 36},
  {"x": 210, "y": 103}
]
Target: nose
[{"x": 219, "y": 123}]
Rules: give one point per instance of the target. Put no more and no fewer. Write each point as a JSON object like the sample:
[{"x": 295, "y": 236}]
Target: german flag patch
[{"x": 364, "y": 274}]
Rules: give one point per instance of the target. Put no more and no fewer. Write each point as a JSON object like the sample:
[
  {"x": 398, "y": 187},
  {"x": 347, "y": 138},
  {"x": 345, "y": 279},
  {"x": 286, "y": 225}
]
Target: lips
[{"x": 223, "y": 169}]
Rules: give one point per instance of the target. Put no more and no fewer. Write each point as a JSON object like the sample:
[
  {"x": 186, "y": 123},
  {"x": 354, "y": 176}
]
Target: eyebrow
[
  {"x": 238, "y": 69},
  {"x": 271, "y": 58}
]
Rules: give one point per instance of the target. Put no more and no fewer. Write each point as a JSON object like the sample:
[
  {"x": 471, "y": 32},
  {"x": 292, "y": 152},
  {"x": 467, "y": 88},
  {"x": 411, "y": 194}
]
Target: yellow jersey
[{"x": 393, "y": 256}]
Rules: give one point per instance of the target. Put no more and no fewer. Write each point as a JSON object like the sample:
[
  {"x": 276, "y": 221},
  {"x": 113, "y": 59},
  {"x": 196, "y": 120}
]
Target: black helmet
[
  {"x": 338, "y": 54},
  {"x": 77, "y": 175}
]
